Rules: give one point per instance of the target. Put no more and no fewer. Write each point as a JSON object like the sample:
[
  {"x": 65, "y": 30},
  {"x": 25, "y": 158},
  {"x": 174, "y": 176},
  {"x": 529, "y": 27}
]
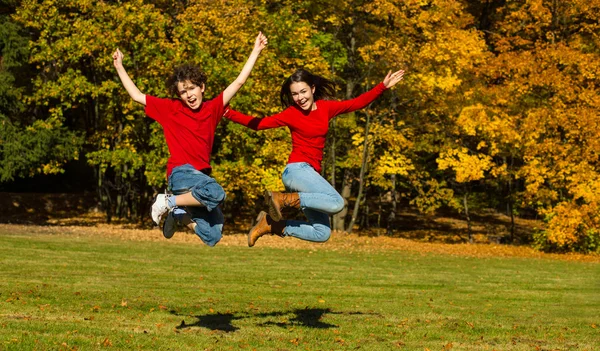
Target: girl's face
[
  {"x": 190, "y": 94},
  {"x": 303, "y": 95}
]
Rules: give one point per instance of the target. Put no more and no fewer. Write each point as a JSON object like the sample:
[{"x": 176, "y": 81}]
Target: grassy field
[{"x": 64, "y": 289}]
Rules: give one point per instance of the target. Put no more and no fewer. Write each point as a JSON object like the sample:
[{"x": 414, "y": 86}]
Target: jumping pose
[
  {"x": 189, "y": 125},
  {"x": 307, "y": 116}
]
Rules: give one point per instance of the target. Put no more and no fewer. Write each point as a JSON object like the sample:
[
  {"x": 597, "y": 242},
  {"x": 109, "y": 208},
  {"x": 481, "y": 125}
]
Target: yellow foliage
[
  {"x": 389, "y": 164},
  {"x": 496, "y": 131},
  {"x": 467, "y": 167},
  {"x": 570, "y": 222},
  {"x": 54, "y": 167}
]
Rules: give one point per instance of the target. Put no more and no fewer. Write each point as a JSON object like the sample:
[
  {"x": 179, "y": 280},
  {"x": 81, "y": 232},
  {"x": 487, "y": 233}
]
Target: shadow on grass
[
  {"x": 217, "y": 321},
  {"x": 307, "y": 317}
]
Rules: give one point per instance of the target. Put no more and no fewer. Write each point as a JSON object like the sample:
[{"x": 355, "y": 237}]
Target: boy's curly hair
[{"x": 181, "y": 74}]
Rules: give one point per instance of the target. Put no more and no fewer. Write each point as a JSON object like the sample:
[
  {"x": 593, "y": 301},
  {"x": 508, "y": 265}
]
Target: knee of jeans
[
  {"x": 212, "y": 192},
  {"x": 322, "y": 232},
  {"x": 336, "y": 204},
  {"x": 209, "y": 235}
]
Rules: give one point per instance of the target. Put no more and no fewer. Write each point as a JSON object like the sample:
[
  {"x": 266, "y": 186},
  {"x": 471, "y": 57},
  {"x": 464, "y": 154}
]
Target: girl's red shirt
[{"x": 308, "y": 128}]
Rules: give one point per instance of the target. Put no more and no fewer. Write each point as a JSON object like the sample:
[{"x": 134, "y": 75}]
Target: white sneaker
[
  {"x": 170, "y": 225},
  {"x": 159, "y": 207}
]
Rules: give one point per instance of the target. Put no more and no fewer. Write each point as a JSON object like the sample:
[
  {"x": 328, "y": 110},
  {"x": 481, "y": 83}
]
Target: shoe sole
[
  {"x": 152, "y": 218},
  {"x": 273, "y": 212},
  {"x": 163, "y": 228},
  {"x": 258, "y": 220}
]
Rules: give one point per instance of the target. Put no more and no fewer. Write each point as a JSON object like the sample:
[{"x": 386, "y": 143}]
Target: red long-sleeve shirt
[
  {"x": 189, "y": 134},
  {"x": 308, "y": 128}
]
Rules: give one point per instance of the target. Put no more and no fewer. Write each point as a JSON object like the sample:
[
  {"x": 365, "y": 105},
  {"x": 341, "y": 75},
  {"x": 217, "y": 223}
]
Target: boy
[{"x": 189, "y": 125}]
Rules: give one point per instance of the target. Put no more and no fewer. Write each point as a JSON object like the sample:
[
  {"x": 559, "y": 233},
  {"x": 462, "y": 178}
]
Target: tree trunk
[
  {"x": 392, "y": 216},
  {"x": 339, "y": 219},
  {"x": 466, "y": 205},
  {"x": 361, "y": 180},
  {"x": 366, "y": 222},
  {"x": 511, "y": 204},
  {"x": 334, "y": 218},
  {"x": 379, "y": 210}
]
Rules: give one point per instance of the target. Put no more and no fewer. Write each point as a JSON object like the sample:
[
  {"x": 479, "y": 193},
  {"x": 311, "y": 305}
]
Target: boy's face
[{"x": 190, "y": 94}]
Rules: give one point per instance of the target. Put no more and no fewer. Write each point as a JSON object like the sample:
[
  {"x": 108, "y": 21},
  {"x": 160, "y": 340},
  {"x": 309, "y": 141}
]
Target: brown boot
[
  {"x": 277, "y": 201},
  {"x": 265, "y": 225}
]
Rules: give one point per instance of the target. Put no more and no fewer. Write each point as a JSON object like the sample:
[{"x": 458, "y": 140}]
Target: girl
[{"x": 307, "y": 115}]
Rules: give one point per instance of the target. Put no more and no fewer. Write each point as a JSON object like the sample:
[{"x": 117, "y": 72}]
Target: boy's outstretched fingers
[
  {"x": 261, "y": 41},
  {"x": 117, "y": 57}
]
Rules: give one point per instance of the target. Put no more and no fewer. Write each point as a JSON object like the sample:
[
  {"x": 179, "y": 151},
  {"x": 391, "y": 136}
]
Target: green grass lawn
[{"x": 93, "y": 292}]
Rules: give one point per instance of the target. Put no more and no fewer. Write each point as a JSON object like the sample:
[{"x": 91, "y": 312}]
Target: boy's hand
[
  {"x": 118, "y": 58},
  {"x": 392, "y": 78},
  {"x": 261, "y": 42}
]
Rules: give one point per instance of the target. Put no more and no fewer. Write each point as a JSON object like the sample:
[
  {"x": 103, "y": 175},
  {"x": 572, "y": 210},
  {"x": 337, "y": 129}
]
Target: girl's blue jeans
[
  {"x": 318, "y": 200},
  {"x": 208, "y": 218}
]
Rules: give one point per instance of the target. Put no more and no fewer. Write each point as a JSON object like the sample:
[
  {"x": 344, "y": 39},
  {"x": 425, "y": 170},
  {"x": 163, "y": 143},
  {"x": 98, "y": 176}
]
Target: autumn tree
[
  {"x": 499, "y": 101},
  {"x": 437, "y": 45},
  {"x": 71, "y": 48},
  {"x": 30, "y": 142},
  {"x": 543, "y": 82}
]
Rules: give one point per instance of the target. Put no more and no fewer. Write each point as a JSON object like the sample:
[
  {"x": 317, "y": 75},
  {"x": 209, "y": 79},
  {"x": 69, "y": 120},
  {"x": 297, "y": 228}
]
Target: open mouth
[
  {"x": 303, "y": 104},
  {"x": 192, "y": 101}
]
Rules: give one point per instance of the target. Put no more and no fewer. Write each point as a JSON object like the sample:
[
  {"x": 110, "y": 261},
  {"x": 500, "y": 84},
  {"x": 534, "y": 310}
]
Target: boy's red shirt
[
  {"x": 189, "y": 134},
  {"x": 308, "y": 128}
]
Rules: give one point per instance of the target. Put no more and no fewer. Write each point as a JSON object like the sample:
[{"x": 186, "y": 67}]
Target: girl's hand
[
  {"x": 118, "y": 58},
  {"x": 392, "y": 78},
  {"x": 261, "y": 42}
]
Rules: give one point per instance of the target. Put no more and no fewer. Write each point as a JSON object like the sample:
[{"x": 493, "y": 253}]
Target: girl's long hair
[{"x": 324, "y": 88}]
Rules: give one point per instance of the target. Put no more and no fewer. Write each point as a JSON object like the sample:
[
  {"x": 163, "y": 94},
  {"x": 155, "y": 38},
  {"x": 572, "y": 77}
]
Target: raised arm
[
  {"x": 361, "y": 101},
  {"x": 259, "y": 44},
  {"x": 129, "y": 85}
]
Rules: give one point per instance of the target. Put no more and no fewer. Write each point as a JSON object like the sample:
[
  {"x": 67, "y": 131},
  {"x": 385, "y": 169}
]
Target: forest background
[{"x": 499, "y": 107}]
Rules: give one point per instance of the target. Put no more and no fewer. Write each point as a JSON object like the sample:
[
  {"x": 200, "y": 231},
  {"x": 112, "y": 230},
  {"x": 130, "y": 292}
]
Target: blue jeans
[
  {"x": 208, "y": 218},
  {"x": 318, "y": 200}
]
